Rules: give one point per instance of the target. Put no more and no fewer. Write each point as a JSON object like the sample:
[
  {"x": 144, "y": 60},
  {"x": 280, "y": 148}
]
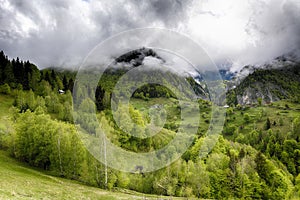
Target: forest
[{"x": 257, "y": 155}]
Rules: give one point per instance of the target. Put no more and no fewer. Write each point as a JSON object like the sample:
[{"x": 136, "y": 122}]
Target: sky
[{"x": 234, "y": 33}]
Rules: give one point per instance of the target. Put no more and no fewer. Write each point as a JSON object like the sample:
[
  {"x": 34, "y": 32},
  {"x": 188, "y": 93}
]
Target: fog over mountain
[{"x": 234, "y": 33}]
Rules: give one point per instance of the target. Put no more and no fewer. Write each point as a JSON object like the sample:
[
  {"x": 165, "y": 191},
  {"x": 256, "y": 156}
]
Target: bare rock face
[{"x": 251, "y": 94}]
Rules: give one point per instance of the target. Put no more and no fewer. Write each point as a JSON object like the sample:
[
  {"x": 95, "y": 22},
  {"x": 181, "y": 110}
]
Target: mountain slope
[
  {"x": 18, "y": 181},
  {"x": 271, "y": 84},
  {"x": 136, "y": 58}
]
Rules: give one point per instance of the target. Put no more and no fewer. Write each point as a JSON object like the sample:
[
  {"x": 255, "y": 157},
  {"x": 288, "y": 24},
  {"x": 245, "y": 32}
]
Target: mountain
[
  {"x": 279, "y": 79},
  {"x": 287, "y": 60},
  {"x": 136, "y": 58},
  {"x": 254, "y": 158}
]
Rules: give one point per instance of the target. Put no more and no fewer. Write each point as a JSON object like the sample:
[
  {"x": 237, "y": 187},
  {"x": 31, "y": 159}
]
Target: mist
[{"x": 61, "y": 33}]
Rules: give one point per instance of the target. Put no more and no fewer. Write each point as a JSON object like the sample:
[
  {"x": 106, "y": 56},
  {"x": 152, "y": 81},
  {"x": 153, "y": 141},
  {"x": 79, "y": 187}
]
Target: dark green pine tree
[
  {"x": 65, "y": 83},
  {"x": 71, "y": 85},
  {"x": 47, "y": 77},
  {"x": 268, "y": 124},
  {"x": 26, "y": 75},
  {"x": 3, "y": 63},
  {"x": 99, "y": 95},
  {"x": 18, "y": 69},
  {"x": 53, "y": 79}
]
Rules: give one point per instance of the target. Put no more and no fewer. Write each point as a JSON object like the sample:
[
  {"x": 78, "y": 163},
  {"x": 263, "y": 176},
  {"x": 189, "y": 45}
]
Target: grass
[
  {"x": 280, "y": 116},
  {"x": 19, "y": 181}
]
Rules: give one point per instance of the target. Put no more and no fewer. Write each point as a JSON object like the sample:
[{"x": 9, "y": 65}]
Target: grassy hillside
[
  {"x": 257, "y": 156},
  {"x": 281, "y": 115},
  {"x": 181, "y": 178},
  {"x": 18, "y": 181}
]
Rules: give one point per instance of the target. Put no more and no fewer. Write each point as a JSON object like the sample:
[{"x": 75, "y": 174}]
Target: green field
[
  {"x": 19, "y": 181},
  {"x": 276, "y": 112}
]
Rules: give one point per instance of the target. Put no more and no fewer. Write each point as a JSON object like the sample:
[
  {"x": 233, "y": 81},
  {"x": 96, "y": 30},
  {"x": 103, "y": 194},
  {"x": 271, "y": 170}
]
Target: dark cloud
[
  {"x": 62, "y": 32},
  {"x": 170, "y": 12}
]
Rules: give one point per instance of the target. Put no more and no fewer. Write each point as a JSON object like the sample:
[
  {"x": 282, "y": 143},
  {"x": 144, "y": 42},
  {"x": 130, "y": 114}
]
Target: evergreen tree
[
  {"x": 261, "y": 165},
  {"x": 26, "y": 75},
  {"x": 71, "y": 85},
  {"x": 65, "y": 83},
  {"x": 268, "y": 124},
  {"x": 3, "y": 62}
]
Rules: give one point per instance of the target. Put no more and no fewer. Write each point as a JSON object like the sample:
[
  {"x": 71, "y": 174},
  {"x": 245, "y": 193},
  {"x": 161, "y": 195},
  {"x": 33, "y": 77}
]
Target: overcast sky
[{"x": 234, "y": 32}]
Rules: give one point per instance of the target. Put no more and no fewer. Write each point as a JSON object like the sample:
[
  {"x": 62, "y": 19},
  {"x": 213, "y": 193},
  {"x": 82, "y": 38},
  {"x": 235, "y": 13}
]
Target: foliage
[
  {"x": 281, "y": 83},
  {"x": 254, "y": 159},
  {"x": 5, "y": 89}
]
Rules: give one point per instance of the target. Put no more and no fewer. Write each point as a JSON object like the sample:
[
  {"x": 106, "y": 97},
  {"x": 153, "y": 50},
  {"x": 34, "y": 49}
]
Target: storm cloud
[{"x": 62, "y": 32}]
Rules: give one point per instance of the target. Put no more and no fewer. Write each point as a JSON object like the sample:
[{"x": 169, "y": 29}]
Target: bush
[
  {"x": 268, "y": 124},
  {"x": 229, "y": 130},
  {"x": 5, "y": 89},
  {"x": 247, "y": 118}
]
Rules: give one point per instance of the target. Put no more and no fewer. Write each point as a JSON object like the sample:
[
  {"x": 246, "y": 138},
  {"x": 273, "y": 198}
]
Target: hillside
[
  {"x": 19, "y": 181},
  {"x": 269, "y": 84},
  {"x": 137, "y": 58},
  {"x": 226, "y": 160},
  {"x": 255, "y": 157}
]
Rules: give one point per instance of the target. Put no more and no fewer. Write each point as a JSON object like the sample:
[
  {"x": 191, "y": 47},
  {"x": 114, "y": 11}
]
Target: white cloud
[
  {"x": 62, "y": 32},
  {"x": 246, "y": 32}
]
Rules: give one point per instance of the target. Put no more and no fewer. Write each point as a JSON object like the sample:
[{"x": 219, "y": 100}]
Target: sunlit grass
[{"x": 19, "y": 181}]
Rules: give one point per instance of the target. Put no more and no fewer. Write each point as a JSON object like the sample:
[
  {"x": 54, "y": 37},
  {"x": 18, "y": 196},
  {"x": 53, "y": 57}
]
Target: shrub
[{"x": 5, "y": 89}]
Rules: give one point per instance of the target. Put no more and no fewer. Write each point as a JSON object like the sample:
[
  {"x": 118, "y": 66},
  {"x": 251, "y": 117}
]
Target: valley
[{"x": 256, "y": 155}]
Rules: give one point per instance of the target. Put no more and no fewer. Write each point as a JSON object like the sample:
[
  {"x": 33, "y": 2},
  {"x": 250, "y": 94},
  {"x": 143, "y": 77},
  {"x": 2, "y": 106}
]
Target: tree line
[
  {"x": 17, "y": 74},
  {"x": 44, "y": 136}
]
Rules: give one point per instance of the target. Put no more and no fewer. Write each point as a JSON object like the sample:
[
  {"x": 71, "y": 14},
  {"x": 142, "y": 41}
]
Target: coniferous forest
[{"x": 257, "y": 155}]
